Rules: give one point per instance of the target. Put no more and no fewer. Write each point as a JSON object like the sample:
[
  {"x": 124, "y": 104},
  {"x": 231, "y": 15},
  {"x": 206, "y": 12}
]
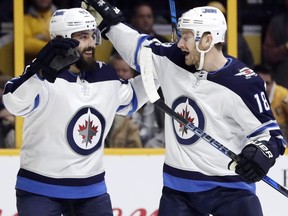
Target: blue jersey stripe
[
  {"x": 14, "y": 83},
  {"x": 134, "y": 104},
  {"x": 272, "y": 125},
  {"x": 61, "y": 181},
  {"x": 188, "y": 185},
  {"x": 58, "y": 191},
  {"x": 199, "y": 176},
  {"x": 191, "y": 181},
  {"x": 143, "y": 38}
]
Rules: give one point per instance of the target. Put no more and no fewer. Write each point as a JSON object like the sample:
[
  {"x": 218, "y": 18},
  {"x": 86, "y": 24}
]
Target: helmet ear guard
[{"x": 65, "y": 22}]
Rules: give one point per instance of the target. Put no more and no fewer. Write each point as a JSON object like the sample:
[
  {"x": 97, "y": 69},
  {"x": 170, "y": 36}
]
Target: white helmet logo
[{"x": 208, "y": 10}]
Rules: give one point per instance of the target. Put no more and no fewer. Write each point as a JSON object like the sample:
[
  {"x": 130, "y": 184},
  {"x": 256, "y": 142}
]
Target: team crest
[
  {"x": 188, "y": 109},
  {"x": 85, "y": 131},
  {"x": 247, "y": 72}
]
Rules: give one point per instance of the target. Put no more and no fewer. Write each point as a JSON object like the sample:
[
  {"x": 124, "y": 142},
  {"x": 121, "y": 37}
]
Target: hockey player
[
  {"x": 68, "y": 112},
  {"x": 221, "y": 96}
]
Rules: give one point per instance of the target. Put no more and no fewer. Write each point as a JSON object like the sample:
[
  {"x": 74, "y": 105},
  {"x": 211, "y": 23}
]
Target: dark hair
[
  {"x": 116, "y": 56},
  {"x": 264, "y": 69},
  {"x": 139, "y": 4}
]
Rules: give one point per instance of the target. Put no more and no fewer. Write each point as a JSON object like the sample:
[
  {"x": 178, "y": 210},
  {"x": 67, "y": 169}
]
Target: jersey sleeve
[
  {"x": 22, "y": 94},
  {"x": 130, "y": 94},
  {"x": 128, "y": 43},
  {"x": 134, "y": 99},
  {"x": 258, "y": 104},
  {"x": 248, "y": 104}
]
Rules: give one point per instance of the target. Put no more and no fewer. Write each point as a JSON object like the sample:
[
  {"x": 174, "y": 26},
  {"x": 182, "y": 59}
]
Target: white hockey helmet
[
  {"x": 65, "y": 22},
  {"x": 204, "y": 19}
]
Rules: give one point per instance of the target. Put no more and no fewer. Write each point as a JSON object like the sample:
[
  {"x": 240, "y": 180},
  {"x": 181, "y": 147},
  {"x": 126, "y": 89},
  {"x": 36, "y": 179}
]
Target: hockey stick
[
  {"x": 175, "y": 33},
  {"x": 151, "y": 91}
]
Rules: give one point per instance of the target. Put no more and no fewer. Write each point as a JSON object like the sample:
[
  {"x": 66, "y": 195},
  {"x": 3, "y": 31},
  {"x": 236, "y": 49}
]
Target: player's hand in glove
[
  {"x": 254, "y": 162},
  {"x": 56, "y": 56},
  {"x": 85, "y": 5},
  {"x": 111, "y": 15}
]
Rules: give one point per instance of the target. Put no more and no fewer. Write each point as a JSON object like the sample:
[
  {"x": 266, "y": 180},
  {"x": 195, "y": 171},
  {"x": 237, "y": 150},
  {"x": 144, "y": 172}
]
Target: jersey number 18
[{"x": 262, "y": 102}]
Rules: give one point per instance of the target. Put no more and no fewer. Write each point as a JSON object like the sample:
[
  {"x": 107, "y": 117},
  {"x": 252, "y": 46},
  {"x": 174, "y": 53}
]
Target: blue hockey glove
[
  {"x": 56, "y": 56},
  {"x": 111, "y": 15},
  {"x": 255, "y": 160}
]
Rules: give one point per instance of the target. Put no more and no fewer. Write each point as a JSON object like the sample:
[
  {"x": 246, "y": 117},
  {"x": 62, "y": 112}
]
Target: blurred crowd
[{"x": 146, "y": 127}]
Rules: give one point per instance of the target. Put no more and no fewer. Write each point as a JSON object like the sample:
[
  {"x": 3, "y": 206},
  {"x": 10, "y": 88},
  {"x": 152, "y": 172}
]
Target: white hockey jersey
[
  {"x": 229, "y": 104},
  {"x": 65, "y": 125}
]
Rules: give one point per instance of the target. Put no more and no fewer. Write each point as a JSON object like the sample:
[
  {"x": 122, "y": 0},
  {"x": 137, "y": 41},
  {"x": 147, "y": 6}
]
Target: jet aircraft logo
[
  {"x": 85, "y": 131},
  {"x": 247, "y": 72}
]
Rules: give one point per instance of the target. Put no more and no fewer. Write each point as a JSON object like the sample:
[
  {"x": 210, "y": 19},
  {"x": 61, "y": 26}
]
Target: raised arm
[
  {"x": 21, "y": 94},
  {"x": 128, "y": 42}
]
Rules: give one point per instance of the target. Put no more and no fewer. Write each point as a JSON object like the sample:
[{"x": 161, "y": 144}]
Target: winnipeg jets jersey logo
[
  {"x": 188, "y": 109},
  {"x": 185, "y": 114},
  {"x": 247, "y": 72},
  {"x": 85, "y": 131}
]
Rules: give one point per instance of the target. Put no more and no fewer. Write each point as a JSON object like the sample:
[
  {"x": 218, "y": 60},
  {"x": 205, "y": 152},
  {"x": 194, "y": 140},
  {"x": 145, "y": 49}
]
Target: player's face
[
  {"x": 42, "y": 5},
  {"x": 268, "y": 80},
  {"x": 123, "y": 70},
  {"x": 188, "y": 47},
  {"x": 144, "y": 20},
  {"x": 86, "y": 48}
]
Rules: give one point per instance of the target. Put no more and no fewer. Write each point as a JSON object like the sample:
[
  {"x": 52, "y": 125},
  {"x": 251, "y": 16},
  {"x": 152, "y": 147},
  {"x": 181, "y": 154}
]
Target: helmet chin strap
[{"x": 202, "y": 54}]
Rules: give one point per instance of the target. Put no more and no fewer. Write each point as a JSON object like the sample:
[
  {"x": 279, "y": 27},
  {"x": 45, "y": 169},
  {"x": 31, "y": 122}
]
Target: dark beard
[{"x": 86, "y": 65}]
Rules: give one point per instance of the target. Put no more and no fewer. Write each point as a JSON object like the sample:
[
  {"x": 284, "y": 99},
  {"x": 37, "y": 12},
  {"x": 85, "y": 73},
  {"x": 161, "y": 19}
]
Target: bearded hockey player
[{"x": 68, "y": 101}]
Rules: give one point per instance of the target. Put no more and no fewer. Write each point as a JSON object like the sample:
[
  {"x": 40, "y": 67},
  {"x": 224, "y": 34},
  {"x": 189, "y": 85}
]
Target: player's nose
[
  {"x": 91, "y": 42},
  {"x": 180, "y": 43}
]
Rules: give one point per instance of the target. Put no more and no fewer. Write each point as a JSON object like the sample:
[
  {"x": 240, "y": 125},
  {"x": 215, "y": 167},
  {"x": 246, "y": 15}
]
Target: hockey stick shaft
[
  {"x": 151, "y": 91},
  {"x": 175, "y": 33}
]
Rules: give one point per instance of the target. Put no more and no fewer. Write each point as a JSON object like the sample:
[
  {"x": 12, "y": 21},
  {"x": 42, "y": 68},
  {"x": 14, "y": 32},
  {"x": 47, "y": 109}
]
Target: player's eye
[{"x": 185, "y": 39}]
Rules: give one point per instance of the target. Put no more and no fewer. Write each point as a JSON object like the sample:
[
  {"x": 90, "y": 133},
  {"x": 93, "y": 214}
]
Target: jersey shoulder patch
[{"x": 236, "y": 76}]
